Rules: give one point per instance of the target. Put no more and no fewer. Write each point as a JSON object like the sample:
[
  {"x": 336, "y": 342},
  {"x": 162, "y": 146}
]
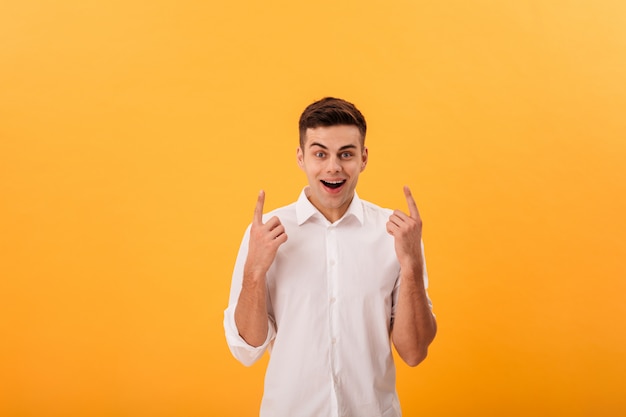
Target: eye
[
  {"x": 319, "y": 154},
  {"x": 346, "y": 155}
]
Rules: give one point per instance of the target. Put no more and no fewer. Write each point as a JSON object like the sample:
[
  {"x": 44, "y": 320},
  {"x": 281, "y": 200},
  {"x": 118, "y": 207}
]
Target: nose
[{"x": 334, "y": 164}]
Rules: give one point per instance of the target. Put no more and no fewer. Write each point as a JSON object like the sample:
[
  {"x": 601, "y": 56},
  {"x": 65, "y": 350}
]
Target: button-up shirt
[{"x": 331, "y": 296}]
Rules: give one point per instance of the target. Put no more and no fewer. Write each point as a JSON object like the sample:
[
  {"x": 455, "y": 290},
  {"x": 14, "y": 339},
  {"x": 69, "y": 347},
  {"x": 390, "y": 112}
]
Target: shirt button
[
  {"x": 332, "y": 300},
  {"x": 332, "y": 262},
  {"x": 333, "y": 340}
]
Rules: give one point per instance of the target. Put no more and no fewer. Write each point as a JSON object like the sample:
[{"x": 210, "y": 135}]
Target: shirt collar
[{"x": 305, "y": 210}]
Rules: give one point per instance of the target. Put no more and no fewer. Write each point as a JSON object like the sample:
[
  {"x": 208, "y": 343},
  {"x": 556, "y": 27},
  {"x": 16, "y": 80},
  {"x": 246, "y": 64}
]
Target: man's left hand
[{"x": 407, "y": 233}]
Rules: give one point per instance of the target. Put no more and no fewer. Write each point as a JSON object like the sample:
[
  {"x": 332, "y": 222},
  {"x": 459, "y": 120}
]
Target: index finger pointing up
[
  {"x": 411, "y": 203},
  {"x": 258, "y": 210}
]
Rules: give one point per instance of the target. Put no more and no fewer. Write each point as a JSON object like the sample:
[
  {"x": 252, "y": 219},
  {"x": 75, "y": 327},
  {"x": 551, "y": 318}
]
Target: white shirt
[{"x": 332, "y": 291}]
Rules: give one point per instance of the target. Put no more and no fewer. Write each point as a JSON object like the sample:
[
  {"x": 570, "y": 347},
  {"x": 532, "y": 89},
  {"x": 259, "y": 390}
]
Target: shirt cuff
[{"x": 240, "y": 349}]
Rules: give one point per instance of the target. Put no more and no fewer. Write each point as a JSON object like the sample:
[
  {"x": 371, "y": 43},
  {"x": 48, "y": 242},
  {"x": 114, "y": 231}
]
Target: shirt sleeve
[{"x": 240, "y": 349}]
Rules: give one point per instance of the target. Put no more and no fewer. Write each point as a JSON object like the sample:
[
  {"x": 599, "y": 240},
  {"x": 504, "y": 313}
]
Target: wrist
[
  {"x": 413, "y": 265},
  {"x": 253, "y": 275},
  {"x": 413, "y": 270}
]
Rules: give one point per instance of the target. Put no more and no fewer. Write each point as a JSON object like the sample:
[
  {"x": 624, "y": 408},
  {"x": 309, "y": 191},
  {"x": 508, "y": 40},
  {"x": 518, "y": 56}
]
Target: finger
[
  {"x": 273, "y": 224},
  {"x": 396, "y": 218},
  {"x": 277, "y": 232},
  {"x": 258, "y": 210},
  {"x": 411, "y": 203},
  {"x": 400, "y": 216},
  {"x": 280, "y": 239}
]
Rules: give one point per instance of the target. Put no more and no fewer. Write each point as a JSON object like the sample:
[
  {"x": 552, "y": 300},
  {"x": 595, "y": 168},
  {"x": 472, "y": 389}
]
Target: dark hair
[{"x": 331, "y": 111}]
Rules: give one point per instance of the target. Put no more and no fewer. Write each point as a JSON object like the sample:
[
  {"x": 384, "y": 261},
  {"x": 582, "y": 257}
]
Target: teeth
[{"x": 334, "y": 184}]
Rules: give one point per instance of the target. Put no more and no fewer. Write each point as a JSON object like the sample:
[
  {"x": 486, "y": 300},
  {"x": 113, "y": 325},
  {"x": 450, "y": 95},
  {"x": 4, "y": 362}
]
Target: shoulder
[
  {"x": 285, "y": 213},
  {"x": 374, "y": 212}
]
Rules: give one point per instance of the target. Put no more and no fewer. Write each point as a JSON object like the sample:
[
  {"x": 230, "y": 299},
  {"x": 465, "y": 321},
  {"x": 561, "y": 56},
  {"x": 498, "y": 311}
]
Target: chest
[{"x": 321, "y": 262}]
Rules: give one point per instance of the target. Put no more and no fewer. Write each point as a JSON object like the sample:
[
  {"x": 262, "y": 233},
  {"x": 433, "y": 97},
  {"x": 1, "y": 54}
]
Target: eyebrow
[{"x": 326, "y": 147}]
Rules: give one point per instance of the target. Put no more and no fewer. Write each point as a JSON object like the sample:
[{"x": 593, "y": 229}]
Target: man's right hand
[{"x": 265, "y": 238}]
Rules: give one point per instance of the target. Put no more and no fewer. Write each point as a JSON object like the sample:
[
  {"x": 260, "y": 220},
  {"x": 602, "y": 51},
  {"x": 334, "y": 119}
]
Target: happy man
[{"x": 328, "y": 282}]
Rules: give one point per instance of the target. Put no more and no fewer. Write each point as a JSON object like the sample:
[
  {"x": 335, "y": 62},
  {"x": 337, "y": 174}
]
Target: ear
[
  {"x": 364, "y": 157},
  {"x": 300, "y": 157}
]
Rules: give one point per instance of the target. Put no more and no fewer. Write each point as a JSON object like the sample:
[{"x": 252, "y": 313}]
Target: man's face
[{"x": 332, "y": 160}]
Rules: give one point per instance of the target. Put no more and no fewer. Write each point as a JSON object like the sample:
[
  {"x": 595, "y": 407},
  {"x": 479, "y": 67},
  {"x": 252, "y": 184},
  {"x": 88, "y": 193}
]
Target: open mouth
[{"x": 333, "y": 184}]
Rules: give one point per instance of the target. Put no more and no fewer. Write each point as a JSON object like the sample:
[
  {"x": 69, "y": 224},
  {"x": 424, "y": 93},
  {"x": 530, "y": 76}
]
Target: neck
[{"x": 332, "y": 214}]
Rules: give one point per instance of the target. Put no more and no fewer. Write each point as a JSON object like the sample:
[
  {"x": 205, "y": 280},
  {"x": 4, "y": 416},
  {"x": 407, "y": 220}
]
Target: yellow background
[{"x": 135, "y": 135}]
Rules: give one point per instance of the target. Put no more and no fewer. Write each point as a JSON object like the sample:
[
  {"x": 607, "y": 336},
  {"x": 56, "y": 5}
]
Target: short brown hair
[{"x": 331, "y": 111}]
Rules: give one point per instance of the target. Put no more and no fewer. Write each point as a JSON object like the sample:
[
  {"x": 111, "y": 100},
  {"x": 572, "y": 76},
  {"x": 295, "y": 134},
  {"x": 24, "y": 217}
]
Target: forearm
[
  {"x": 414, "y": 325},
  {"x": 251, "y": 310}
]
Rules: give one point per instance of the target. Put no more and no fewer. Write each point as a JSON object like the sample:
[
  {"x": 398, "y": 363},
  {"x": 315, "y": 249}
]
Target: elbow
[
  {"x": 247, "y": 357},
  {"x": 418, "y": 352},
  {"x": 415, "y": 358},
  {"x": 414, "y": 351}
]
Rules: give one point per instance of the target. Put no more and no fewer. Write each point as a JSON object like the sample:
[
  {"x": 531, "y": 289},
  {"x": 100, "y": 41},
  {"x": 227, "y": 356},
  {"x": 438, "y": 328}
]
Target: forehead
[{"x": 333, "y": 136}]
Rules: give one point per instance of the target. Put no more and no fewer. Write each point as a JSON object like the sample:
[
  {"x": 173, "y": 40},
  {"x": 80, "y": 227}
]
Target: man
[{"x": 328, "y": 282}]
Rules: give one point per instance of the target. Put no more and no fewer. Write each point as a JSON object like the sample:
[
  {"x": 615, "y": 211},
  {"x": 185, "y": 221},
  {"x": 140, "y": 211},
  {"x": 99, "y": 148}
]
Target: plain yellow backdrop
[{"x": 135, "y": 135}]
